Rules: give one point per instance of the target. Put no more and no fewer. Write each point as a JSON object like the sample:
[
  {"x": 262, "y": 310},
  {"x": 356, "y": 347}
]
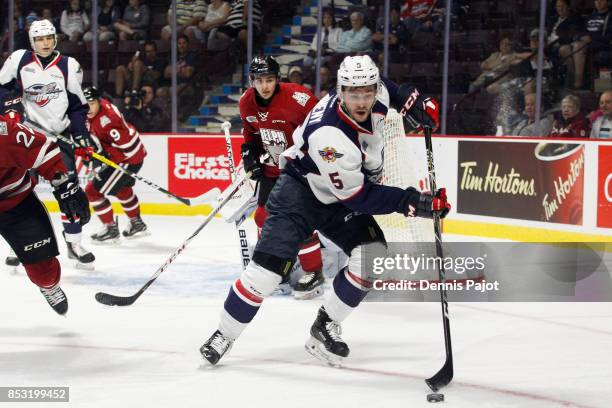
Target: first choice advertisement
[{"x": 530, "y": 181}]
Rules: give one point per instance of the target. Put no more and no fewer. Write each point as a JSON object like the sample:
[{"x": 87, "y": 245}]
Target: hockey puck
[{"x": 435, "y": 397}]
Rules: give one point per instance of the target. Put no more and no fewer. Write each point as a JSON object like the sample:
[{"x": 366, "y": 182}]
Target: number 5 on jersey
[{"x": 336, "y": 181}]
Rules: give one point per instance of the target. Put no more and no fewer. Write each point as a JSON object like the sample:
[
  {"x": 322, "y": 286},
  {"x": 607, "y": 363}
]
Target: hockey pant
[
  {"x": 28, "y": 230},
  {"x": 294, "y": 213},
  {"x": 112, "y": 182},
  {"x": 310, "y": 251}
]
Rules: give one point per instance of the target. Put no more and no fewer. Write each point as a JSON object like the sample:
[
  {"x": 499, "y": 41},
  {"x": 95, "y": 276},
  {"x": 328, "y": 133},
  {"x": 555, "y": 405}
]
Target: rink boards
[{"x": 513, "y": 188}]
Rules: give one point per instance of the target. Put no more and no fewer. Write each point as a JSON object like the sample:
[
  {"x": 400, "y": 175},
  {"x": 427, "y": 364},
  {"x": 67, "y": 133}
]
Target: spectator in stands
[
  {"x": 141, "y": 70},
  {"x": 329, "y": 42},
  {"x": 422, "y": 15},
  {"x": 327, "y": 80},
  {"x": 526, "y": 127},
  {"x": 497, "y": 63},
  {"x": 144, "y": 114},
  {"x": 358, "y": 38},
  {"x": 599, "y": 28},
  {"x": 569, "y": 31},
  {"x": 296, "y": 75},
  {"x": 602, "y": 127},
  {"x": 571, "y": 122},
  {"x": 108, "y": 16},
  {"x": 74, "y": 21},
  {"x": 236, "y": 25},
  {"x": 47, "y": 14},
  {"x": 186, "y": 63},
  {"x": 216, "y": 16},
  {"x": 189, "y": 13},
  {"x": 135, "y": 21},
  {"x": 398, "y": 37},
  {"x": 528, "y": 67}
]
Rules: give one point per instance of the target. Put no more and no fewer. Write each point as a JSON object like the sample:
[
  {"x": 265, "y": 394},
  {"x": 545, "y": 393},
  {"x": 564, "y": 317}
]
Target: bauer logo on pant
[{"x": 329, "y": 154}]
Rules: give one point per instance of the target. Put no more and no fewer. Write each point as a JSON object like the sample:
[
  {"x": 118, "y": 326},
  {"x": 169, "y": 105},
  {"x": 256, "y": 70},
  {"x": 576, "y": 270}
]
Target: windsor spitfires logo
[
  {"x": 329, "y": 154},
  {"x": 42, "y": 94}
]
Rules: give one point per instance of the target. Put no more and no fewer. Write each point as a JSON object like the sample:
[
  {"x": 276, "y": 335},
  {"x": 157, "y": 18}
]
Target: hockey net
[{"x": 405, "y": 166}]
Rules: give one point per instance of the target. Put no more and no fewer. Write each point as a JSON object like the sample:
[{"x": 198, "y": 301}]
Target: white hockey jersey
[
  {"x": 52, "y": 96},
  {"x": 342, "y": 159}
]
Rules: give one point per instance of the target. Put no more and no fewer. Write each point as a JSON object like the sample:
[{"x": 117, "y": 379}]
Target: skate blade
[
  {"x": 13, "y": 270},
  {"x": 311, "y": 294},
  {"x": 316, "y": 349},
  {"x": 282, "y": 290},
  {"x": 138, "y": 235},
  {"x": 85, "y": 266}
]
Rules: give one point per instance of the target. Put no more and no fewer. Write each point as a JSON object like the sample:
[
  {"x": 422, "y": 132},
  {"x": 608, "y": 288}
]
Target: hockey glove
[
  {"x": 84, "y": 152},
  {"x": 11, "y": 103},
  {"x": 424, "y": 205},
  {"x": 420, "y": 111},
  {"x": 250, "y": 153},
  {"x": 71, "y": 198},
  {"x": 83, "y": 140}
]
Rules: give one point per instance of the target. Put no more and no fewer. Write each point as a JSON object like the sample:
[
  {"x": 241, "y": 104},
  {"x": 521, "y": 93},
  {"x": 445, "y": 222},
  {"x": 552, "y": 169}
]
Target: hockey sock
[
  {"x": 310, "y": 254},
  {"x": 348, "y": 291},
  {"x": 100, "y": 204},
  {"x": 245, "y": 297},
  {"x": 129, "y": 202},
  {"x": 44, "y": 274}
]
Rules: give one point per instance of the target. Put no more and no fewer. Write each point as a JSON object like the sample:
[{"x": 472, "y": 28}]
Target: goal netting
[{"x": 405, "y": 165}]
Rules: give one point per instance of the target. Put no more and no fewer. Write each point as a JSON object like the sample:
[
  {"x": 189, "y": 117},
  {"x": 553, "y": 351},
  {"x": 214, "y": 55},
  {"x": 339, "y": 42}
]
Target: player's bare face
[
  {"x": 44, "y": 46},
  {"x": 265, "y": 85},
  {"x": 358, "y": 101},
  {"x": 94, "y": 108}
]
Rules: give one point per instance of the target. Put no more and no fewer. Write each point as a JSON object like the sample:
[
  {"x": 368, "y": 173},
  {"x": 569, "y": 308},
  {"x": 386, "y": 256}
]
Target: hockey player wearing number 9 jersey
[
  {"x": 50, "y": 86},
  {"x": 270, "y": 112},
  {"x": 330, "y": 183},
  {"x": 121, "y": 142}
]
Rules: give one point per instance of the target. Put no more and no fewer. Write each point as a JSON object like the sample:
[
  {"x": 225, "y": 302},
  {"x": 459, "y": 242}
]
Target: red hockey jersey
[
  {"x": 22, "y": 149},
  {"x": 272, "y": 126},
  {"x": 119, "y": 139},
  {"x": 577, "y": 127}
]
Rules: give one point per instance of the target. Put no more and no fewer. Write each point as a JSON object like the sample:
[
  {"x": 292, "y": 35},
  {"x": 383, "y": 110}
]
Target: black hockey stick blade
[
  {"x": 443, "y": 377},
  {"x": 113, "y": 300}
]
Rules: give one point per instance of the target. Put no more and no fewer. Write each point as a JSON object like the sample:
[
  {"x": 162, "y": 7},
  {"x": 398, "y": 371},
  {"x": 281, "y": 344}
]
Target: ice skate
[
  {"x": 216, "y": 347},
  {"x": 325, "y": 342},
  {"x": 83, "y": 257},
  {"x": 309, "y": 286},
  {"x": 109, "y": 234},
  {"x": 56, "y": 298},
  {"x": 136, "y": 228},
  {"x": 12, "y": 261}
]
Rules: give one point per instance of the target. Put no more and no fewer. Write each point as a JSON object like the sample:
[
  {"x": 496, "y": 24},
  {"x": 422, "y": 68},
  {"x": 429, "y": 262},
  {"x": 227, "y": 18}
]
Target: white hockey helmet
[
  {"x": 357, "y": 71},
  {"x": 41, "y": 28}
]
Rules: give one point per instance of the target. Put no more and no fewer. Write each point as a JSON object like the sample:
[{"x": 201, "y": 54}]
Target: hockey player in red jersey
[
  {"x": 270, "y": 112},
  {"x": 24, "y": 221},
  {"x": 118, "y": 140}
]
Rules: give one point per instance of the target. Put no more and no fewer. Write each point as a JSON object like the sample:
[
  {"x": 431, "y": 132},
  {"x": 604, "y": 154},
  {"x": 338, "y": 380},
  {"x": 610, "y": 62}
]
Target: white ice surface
[{"x": 146, "y": 355}]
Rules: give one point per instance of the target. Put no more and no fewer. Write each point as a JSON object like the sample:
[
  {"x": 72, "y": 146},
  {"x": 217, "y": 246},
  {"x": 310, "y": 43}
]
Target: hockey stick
[
  {"x": 114, "y": 300},
  {"x": 445, "y": 375},
  {"x": 245, "y": 256},
  {"x": 208, "y": 196}
]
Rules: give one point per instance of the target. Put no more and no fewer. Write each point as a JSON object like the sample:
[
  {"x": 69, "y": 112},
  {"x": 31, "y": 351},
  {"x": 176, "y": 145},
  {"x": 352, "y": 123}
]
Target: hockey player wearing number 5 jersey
[
  {"x": 50, "y": 87},
  {"x": 330, "y": 183},
  {"x": 270, "y": 112},
  {"x": 118, "y": 140},
  {"x": 24, "y": 221}
]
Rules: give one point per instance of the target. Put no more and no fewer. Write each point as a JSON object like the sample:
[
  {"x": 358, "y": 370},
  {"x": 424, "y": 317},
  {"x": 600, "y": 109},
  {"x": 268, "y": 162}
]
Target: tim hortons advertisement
[
  {"x": 530, "y": 181},
  {"x": 604, "y": 188},
  {"x": 195, "y": 165}
]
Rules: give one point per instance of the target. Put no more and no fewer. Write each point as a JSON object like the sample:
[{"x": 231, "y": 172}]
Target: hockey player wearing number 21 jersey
[
  {"x": 270, "y": 112},
  {"x": 330, "y": 183},
  {"x": 49, "y": 85},
  {"x": 24, "y": 222}
]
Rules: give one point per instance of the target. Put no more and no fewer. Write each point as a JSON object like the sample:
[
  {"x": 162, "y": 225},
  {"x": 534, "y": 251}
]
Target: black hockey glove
[
  {"x": 424, "y": 205},
  {"x": 83, "y": 140},
  {"x": 250, "y": 153},
  {"x": 71, "y": 198},
  {"x": 420, "y": 111},
  {"x": 11, "y": 102}
]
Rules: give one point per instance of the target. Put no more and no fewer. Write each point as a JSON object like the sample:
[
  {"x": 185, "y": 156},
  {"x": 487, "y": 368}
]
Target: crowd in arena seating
[{"x": 492, "y": 69}]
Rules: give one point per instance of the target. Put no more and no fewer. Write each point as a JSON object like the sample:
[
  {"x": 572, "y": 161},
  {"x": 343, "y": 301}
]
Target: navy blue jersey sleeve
[
  {"x": 396, "y": 100},
  {"x": 77, "y": 113},
  {"x": 376, "y": 199}
]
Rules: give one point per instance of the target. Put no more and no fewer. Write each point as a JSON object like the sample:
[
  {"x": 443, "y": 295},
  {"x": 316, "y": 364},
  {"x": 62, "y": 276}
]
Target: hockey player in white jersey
[
  {"x": 330, "y": 183},
  {"x": 50, "y": 88}
]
